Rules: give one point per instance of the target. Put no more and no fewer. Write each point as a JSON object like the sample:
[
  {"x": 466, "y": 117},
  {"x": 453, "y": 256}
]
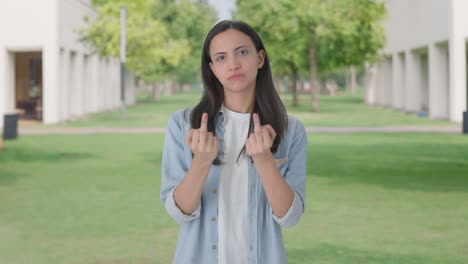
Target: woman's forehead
[{"x": 229, "y": 40}]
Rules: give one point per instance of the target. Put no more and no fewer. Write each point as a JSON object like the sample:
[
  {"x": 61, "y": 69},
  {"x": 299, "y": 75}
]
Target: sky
[{"x": 224, "y": 8}]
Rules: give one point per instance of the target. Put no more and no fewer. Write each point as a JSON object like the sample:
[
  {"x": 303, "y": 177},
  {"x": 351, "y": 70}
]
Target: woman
[{"x": 234, "y": 167}]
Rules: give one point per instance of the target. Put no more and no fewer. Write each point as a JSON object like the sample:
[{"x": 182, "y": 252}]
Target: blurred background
[{"x": 381, "y": 87}]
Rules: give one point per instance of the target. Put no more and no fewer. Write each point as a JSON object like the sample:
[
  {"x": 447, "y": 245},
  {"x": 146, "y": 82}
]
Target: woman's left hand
[{"x": 259, "y": 143}]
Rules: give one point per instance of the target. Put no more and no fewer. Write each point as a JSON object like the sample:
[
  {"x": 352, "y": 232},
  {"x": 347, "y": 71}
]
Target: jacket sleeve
[
  {"x": 174, "y": 168},
  {"x": 295, "y": 176}
]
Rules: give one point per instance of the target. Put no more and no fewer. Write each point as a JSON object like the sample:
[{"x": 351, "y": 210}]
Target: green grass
[
  {"x": 349, "y": 110},
  {"x": 146, "y": 113},
  {"x": 343, "y": 110},
  {"x": 371, "y": 198}
]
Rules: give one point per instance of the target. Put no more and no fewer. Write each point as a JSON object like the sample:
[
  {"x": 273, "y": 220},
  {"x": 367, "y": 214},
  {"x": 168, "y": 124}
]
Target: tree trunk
[
  {"x": 276, "y": 82},
  {"x": 168, "y": 87},
  {"x": 156, "y": 92},
  {"x": 178, "y": 87},
  {"x": 315, "y": 90},
  {"x": 322, "y": 86},
  {"x": 353, "y": 80},
  {"x": 294, "y": 83},
  {"x": 348, "y": 81}
]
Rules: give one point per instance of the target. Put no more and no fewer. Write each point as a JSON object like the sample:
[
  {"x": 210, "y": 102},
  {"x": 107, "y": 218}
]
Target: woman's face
[{"x": 235, "y": 61}]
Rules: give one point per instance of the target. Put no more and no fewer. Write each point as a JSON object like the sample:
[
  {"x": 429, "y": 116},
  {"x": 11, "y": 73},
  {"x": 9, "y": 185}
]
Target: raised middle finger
[{"x": 258, "y": 129}]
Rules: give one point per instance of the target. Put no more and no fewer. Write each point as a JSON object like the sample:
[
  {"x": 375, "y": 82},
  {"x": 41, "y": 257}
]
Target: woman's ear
[
  {"x": 261, "y": 58},
  {"x": 212, "y": 69}
]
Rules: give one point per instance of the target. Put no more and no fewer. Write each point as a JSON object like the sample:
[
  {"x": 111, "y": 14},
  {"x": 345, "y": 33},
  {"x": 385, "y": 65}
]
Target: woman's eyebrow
[
  {"x": 224, "y": 52},
  {"x": 240, "y": 47}
]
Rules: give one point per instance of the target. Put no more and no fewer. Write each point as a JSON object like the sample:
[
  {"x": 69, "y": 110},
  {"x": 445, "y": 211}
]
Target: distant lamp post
[{"x": 123, "y": 13}]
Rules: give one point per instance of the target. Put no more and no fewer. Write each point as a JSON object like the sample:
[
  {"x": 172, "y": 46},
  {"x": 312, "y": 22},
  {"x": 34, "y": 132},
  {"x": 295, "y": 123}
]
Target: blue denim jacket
[{"x": 198, "y": 234}]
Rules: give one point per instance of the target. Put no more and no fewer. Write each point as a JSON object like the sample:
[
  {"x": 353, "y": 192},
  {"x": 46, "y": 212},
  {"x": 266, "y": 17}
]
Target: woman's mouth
[{"x": 235, "y": 76}]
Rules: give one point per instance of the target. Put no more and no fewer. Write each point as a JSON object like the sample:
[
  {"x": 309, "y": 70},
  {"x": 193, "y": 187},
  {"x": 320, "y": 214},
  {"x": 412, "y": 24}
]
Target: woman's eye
[
  {"x": 220, "y": 58},
  {"x": 242, "y": 52}
]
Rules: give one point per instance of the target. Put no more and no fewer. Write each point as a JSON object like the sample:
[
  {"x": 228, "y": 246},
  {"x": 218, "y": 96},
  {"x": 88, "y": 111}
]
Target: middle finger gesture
[{"x": 260, "y": 141}]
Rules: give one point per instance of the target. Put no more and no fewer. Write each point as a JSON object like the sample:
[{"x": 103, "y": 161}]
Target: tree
[
  {"x": 152, "y": 51},
  {"x": 187, "y": 21},
  {"x": 279, "y": 33},
  {"x": 330, "y": 34}
]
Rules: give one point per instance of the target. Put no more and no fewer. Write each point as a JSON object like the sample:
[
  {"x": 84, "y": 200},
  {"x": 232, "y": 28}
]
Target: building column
[
  {"x": 78, "y": 85},
  {"x": 457, "y": 94},
  {"x": 102, "y": 87},
  {"x": 457, "y": 61},
  {"x": 370, "y": 84},
  {"x": 3, "y": 82},
  {"x": 94, "y": 82},
  {"x": 388, "y": 82},
  {"x": 398, "y": 80},
  {"x": 116, "y": 82},
  {"x": 64, "y": 107},
  {"x": 108, "y": 82},
  {"x": 73, "y": 88},
  {"x": 51, "y": 72},
  {"x": 7, "y": 84},
  {"x": 438, "y": 81},
  {"x": 86, "y": 94},
  {"x": 380, "y": 82},
  {"x": 412, "y": 86}
]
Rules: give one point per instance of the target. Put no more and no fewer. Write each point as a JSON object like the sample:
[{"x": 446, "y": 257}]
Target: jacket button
[
  {"x": 215, "y": 190},
  {"x": 221, "y": 140},
  {"x": 213, "y": 247},
  {"x": 213, "y": 219}
]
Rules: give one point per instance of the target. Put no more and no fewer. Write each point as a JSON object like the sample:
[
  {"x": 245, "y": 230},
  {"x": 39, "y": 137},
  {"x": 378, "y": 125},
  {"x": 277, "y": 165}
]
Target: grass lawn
[
  {"x": 371, "y": 198},
  {"x": 344, "y": 110}
]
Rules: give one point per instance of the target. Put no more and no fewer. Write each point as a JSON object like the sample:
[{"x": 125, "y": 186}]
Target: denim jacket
[{"x": 198, "y": 234}]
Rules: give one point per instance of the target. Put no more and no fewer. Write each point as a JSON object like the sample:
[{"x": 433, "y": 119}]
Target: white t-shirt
[{"x": 233, "y": 191}]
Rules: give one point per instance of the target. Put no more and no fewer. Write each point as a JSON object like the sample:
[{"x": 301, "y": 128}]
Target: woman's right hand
[{"x": 204, "y": 144}]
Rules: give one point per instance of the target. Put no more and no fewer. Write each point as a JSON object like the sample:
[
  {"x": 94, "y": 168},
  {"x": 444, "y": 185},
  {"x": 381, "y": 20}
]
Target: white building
[
  {"x": 45, "y": 72},
  {"x": 424, "y": 66}
]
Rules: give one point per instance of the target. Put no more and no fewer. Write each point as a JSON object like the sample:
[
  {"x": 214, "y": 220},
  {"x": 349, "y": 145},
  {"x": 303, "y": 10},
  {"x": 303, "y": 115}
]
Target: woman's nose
[{"x": 233, "y": 64}]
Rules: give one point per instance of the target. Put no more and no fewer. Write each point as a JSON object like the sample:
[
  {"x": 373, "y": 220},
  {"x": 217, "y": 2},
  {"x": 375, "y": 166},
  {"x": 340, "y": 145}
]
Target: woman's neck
[{"x": 239, "y": 102}]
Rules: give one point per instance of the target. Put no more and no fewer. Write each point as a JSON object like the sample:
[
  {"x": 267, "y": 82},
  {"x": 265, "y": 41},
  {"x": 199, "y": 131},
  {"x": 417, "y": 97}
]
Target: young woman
[{"x": 234, "y": 167}]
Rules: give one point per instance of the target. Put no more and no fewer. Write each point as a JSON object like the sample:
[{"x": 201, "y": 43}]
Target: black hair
[{"x": 267, "y": 102}]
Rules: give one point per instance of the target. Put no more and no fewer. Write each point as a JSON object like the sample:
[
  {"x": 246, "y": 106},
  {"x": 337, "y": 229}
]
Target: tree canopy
[
  {"x": 164, "y": 37},
  {"x": 317, "y": 36}
]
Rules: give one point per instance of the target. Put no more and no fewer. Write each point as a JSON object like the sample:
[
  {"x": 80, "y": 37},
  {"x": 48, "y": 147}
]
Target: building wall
[
  {"x": 427, "y": 41},
  {"x": 85, "y": 72},
  {"x": 27, "y": 24},
  {"x": 19, "y": 35},
  {"x": 413, "y": 24},
  {"x": 75, "y": 80},
  {"x": 71, "y": 14}
]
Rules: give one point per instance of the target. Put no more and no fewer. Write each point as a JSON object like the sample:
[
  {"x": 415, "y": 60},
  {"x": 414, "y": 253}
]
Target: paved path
[{"x": 124, "y": 130}]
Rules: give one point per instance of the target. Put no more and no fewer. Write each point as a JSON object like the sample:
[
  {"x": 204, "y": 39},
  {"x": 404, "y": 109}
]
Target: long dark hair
[{"x": 267, "y": 103}]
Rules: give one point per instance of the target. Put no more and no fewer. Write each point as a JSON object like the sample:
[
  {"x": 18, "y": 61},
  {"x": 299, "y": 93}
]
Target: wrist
[
  {"x": 264, "y": 157},
  {"x": 202, "y": 162}
]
